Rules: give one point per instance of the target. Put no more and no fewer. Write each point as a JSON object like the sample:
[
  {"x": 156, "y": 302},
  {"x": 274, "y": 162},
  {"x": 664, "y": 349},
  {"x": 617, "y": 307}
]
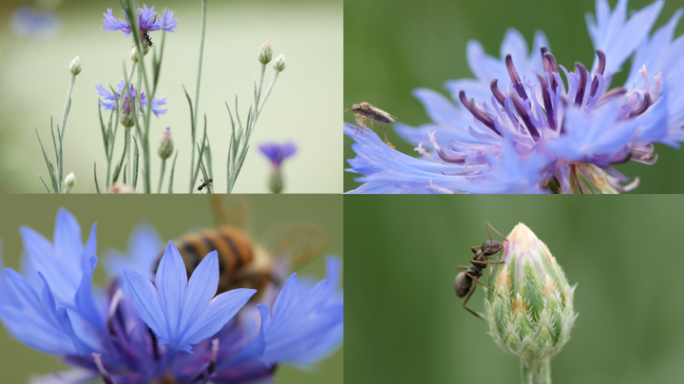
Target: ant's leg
[
  {"x": 465, "y": 301},
  {"x": 462, "y": 267},
  {"x": 473, "y": 249},
  {"x": 483, "y": 284}
]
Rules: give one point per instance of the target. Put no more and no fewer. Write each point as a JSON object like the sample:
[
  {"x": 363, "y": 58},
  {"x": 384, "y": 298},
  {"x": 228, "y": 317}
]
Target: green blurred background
[
  {"x": 392, "y": 47},
  {"x": 304, "y": 106},
  {"x": 171, "y": 216},
  {"x": 404, "y": 323}
]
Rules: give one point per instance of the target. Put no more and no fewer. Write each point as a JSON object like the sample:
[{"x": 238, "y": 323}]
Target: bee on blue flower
[
  {"x": 518, "y": 128},
  {"x": 165, "y": 328},
  {"x": 147, "y": 22}
]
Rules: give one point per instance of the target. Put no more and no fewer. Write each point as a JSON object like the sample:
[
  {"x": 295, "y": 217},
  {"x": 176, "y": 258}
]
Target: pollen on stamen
[
  {"x": 424, "y": 153},
  {"x": 644, "y": 74},
  {"x": 658, "y": 80}
]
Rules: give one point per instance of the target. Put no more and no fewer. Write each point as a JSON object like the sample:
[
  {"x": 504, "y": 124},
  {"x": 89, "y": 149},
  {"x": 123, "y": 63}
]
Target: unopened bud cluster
[
  {"x": 265, "y": 53},
  {"x": 279, "y": 64},
  {"x": 531, "y": 314}
]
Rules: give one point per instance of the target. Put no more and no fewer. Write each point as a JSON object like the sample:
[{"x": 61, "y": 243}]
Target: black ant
[
  {"x": 463, "y": 284},
  {"x": 205, "y": 183},
  {"x": 147, "y": 39}
]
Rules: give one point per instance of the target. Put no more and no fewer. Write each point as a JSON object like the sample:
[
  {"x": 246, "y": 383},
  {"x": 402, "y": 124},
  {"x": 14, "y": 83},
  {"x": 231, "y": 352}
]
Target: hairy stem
[
  {"x": 67, "y": 107},
  {"x": 197, "y": 91},
  {"x": 161, "y": 176},
  {"x": 535, "y": 372}
]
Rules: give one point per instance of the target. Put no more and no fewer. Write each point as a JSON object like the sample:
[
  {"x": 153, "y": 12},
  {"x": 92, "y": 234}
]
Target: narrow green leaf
[
  {"x": 46, "y": 187},
  {"x": 97, "y": 186},
  {"x": 136, "y": 158},
  {"x": 173, "y": 167},
  {"x": 51, "y": 169}
]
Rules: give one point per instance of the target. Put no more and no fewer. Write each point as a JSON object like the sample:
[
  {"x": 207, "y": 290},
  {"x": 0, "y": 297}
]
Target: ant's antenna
[{"x": 487, "y": 226}]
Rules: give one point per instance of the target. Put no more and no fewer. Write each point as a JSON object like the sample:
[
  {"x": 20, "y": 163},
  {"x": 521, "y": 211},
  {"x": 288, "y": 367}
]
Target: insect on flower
[
  {"x": 147, "y": 39},
  {"x": 463, "y": 284},
  {"x": 365, "y": 112},
  {"x": 243, "y": 262}
]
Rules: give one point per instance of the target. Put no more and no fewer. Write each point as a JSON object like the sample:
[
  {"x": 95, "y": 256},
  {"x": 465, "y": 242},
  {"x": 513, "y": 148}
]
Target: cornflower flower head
[
  {"x": 32, "y": 22},
  {"x": 277, "y": 153},
  {"x": 147, "y": 21},
  {"x": 108, "y": 99},
  {"x": 517, "y": 127},
  {"x": 172, "y": 330}
]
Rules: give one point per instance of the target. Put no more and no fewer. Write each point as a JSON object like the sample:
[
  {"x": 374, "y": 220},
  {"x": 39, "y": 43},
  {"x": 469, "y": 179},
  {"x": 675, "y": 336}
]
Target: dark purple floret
[
  {"x": 517, "y": 103},
  {"x": 583, "y": 74},
  {"x": 515, "y": 78},
  {"x": 548, "y": 105},
  {"x": 496, "y": 92},
  {"x": 601, "y": 68},
  {"x": 477, "y": 113}
]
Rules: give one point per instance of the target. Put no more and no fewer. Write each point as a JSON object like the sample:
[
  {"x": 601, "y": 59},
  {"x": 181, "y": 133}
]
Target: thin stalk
[
  {"x": 161, "y": 177},
  {"x": 535, "y": 372},
  {"x": 268, "y": 93},
  {"x": 197, "y": 91},
  {"x": 67, "y": 107}
]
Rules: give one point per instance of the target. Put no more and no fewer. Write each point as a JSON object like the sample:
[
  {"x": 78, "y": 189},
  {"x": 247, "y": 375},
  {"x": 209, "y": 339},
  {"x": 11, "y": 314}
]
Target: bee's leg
[
  {"x": 484, "y": 285},
  {"x": 465, "y": 301},
  {"x": 383, "y": 128}
]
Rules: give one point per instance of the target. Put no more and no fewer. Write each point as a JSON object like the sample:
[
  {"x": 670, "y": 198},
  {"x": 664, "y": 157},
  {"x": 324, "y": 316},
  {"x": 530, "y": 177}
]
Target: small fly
[{"x": 365, "y": 112}]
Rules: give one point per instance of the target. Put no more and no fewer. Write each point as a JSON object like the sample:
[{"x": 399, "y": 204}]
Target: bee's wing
[
  {"x": 298, "y": 241},
  {"x": 232, "y": 211}
]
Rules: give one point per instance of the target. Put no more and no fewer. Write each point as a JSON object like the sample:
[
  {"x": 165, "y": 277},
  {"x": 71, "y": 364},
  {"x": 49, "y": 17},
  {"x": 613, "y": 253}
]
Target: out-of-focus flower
[
  {"x": 265, "y": 53},
  {"x": 119, "y": 188},
  {"x": 137, "y": 332},
  {"x": 165, "y": 144},
  {"x": 277, "y": 153},
  {"x": 518, "y": 129},
  {"x": 147, "y": 21},
  {"x": 29, "y": 22},
  {"x": 279, "y": 63},
  {"x": 75, "y": 66},
  {"x": 108, "y": 99}
]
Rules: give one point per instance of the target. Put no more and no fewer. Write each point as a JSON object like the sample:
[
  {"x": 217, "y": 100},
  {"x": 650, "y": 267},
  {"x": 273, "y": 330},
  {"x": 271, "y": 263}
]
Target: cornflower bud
[
  {"x": 165, "y": 144},
  {"x": 70, "y": 180},
  {"x": 530, "y": 314},
  {"x": 265, "y": 53},
  {"x": 75, "y": 66},
  {"x": 279, "y": 64},
  {"x": 134, "y": 52}
]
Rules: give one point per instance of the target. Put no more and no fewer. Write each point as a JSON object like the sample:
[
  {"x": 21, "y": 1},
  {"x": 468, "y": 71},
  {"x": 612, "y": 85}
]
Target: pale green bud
[
  {"x": 532, "y": 315},
  {"x": 275, "y": 181},
  {"x": 69, "y": 181},
  {"x": 165, "y": 145},
  {"x": 279, "y": 64},
  {"x": 265, "y": 53},
  {"x": 75, "y": 66},
  {"x": 127, "y": 119},
  {"x": 134, "y": 52}
]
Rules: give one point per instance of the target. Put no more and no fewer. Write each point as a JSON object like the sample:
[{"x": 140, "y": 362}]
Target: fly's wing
[
  {"x": 231, "y": 211},
  {"x": 297, "y": 241}
]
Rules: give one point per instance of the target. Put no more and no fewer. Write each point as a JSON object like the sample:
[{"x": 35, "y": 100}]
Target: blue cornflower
[
  {"x": 519, "y": 129},
  {"x": 277, "y": 153},
  {"x": 28, "y": 21},
  {"x": 108, "y": 99},
  {"x": 147, "y": 21},
  {"x": 137, "y": 332}
]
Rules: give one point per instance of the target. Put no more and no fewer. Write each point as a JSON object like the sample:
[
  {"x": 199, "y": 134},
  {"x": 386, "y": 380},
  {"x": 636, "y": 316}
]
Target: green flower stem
[
  {"x": 161, "y": 177},
  {"x": 67, "y": 107},
  {"x": 535, "y": 372},
  {"x": 197, "y": 93},
  {"x": 268, "y": 93}
]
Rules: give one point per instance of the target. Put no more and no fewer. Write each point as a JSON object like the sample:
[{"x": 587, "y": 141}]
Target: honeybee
[
  {"x": 243, "y": 262},
  {"x": 366, "y": 112}
]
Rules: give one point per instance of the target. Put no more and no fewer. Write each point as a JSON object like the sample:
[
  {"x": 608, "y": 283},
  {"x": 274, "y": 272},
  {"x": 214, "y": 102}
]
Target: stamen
[
  {"x": 118, "y": 295},
  {"x": 553, "y": 68},
  {"x": 424, "y": 153},
  {"x": 437, "y": 188},
  {"x": 548, "y": 105},
  {"x": 496, "y": 92},
  {"x": 582, "y": 84},
  {"x": 658, "y": 80},
  {"x": 515, "y": 78},
  {"x": 643, "y": 107},
  {"x": 477, "y": 113},
  {"x": 601, "y": 68},
  {"x": 524, "y": 116},
  {"x": 545, "y": 61},
  {"x": 433, "y": 140},
  {"x": 612, "y": 93},
  {"x": 644, "y": 74},
  {"x": 214, "y": 353},
  {"x": 103, "y": 372},
  {"x": 450, "y": 158}
]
